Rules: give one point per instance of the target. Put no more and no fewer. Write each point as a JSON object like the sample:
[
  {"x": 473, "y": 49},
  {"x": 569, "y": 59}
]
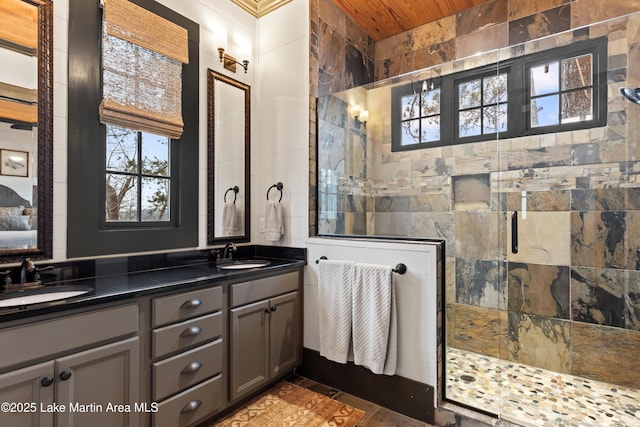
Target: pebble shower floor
[{"x": 536, "y": 397}]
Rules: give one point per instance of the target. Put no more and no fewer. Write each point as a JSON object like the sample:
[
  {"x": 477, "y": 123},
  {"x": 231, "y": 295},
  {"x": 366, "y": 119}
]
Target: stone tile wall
[{"x": 570, "y": 299}]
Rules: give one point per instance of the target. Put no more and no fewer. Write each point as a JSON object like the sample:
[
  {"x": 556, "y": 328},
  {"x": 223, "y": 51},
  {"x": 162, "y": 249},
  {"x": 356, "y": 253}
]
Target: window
[
  {"x": 138, "y": 176},
  {"x": 420, "y": 116},
  {"x": 561, "y": 91},
  {"x": 153, "y": 182},
  {"x": 552, "y": 91},
  {"x": 482, "y": 106}
]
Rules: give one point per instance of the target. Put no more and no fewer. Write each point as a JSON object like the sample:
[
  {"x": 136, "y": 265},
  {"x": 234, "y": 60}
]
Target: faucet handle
[{"x": 6, "y": 281}]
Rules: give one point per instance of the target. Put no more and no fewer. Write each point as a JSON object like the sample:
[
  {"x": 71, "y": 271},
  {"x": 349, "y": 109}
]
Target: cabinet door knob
[
  {"x": 191, "y": 368},
  {"x": 46, "y": 381},
  {"x": 191, "y": 332},
  {"x": 65, "y": 375},
  {"x": 266, "y": 310},
  {"x": 192, "y": 303},
  {"x": 191, "y": 406},
  {"x": 274, "y": 308}
]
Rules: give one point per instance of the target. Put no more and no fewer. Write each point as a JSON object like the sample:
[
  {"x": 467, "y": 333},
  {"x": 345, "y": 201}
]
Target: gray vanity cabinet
[
  {"x": 100, "y": 384},
  {"x": 31, "y": 386},
  {"x": 188, "y": 353},
  {"x": 77, "y": 387},
  {"x": 265, "y": 331}
]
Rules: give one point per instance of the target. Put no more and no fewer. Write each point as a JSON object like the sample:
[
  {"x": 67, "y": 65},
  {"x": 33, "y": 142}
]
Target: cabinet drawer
[
  {"x": 256, "y": 290},
  {"x": 191, "y": 406},
  {"x": 186, "y": 305},
  {"x": 186, "y": 334},
  {"x": 41, "y": 339},
  {"x": 180, "y": 372}
]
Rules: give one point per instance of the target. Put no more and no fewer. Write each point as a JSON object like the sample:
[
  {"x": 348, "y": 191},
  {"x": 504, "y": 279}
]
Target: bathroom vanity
[{"x": 166, "y": 346}]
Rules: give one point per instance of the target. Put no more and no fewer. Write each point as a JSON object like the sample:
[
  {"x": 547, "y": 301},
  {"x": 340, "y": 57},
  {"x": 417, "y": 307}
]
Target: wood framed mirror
[
  {"x": 228, "y": 157},
  {"x": 26, "y": 127}
]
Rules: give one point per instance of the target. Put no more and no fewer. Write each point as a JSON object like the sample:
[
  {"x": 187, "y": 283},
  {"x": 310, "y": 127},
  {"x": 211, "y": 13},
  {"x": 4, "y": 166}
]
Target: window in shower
[
  {"x": 419, "y": 114},
  {"x": 561, "y": 91},
  {"x": 482, "y": 105},
  {"x": 552, "y": 91}
]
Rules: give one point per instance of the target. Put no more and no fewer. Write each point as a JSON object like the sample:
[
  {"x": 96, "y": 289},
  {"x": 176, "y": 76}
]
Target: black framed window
[
  {"x": 482, "y": 105},
  {"x": 149, "y": 223},
  {"x": 137, "y": 177},
  {"x": 420, "y": 115},
  {"x": 552, "y": 91}
]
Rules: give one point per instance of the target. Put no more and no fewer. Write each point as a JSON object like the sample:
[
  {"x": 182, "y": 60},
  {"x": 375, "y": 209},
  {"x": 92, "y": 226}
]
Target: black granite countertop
[{"x": 129, "y": 277}]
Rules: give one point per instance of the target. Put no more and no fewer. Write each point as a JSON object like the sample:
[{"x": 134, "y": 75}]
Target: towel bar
[
  {"x": 399, "y": 268},
  {"x": 279, "y": 186},
  {"x": 235, "y": 190}
]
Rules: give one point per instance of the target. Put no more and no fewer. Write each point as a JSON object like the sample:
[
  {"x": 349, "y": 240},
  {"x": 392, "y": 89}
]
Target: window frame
[
  {"x": 518, "y": 98},
  {"x": 87, "y": 234},
  {"x": 173, "y": 149}
]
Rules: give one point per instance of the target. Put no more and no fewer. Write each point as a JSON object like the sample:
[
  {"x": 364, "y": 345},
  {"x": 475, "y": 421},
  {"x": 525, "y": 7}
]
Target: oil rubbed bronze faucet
[
  {"x": 29, "y": 277},
  {"x": 229, "y": 249}
]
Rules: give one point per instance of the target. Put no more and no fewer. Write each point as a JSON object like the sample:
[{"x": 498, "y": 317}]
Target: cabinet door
[
  {"x": 249, "y": 348},
  {"x": 284, "y": 333},
  {"x": 94, "y": 383},
  {"x": 27, "y": 390}
]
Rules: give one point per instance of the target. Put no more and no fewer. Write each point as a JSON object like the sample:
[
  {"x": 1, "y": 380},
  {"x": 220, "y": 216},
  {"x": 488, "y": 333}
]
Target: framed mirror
[
  {"x": 229, "y": 141},
  {"x": 26, "y": 129}
]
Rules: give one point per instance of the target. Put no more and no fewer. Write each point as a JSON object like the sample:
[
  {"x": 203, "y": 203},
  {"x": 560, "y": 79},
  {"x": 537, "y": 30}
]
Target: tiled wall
[{"x": 570, "y": 299}]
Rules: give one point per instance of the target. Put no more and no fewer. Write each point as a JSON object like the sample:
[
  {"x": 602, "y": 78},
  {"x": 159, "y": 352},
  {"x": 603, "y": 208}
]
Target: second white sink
[{"x": 242, "y": 264}]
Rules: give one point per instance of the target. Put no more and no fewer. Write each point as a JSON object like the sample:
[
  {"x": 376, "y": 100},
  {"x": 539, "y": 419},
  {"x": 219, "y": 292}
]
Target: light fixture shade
[{"x": 632, "y": 95}]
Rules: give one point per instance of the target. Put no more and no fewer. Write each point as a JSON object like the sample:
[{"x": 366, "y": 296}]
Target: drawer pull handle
[
  {"x": 192, "y": 303},
  {"x": 191, "y": 332},
  {"x": 191, "y": 406},
  {"x": 191, "y": 368}
]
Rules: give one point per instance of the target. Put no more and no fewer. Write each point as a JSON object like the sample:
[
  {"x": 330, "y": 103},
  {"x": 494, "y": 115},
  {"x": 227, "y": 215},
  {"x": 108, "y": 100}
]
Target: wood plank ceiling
[{"x": 384, "y": 18}]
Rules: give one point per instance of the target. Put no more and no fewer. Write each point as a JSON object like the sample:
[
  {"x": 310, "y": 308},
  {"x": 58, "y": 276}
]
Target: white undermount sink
[
  {"x": 242, "y": 264},
  {"x": 36, "y": 296}
]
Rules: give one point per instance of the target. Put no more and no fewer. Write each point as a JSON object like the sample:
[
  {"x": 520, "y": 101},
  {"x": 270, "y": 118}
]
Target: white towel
[
  {"x": 334, "y": 299},
  {"x": 374, "y": 319},
  {"x": 273, "y": 224},
  {"x": 229, "y": 219}
]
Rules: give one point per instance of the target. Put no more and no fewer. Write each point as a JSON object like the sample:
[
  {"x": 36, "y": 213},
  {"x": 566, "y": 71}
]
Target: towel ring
[
  {"x": 235, "y": 190},
  {"x": 279, "y": 186}
]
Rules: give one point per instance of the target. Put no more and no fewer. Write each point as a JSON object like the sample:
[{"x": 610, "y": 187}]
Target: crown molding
[{"x": 259, "y": 8}]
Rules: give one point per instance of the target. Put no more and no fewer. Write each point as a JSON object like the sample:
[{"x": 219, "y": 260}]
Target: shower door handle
[{"x": 514, "y": 232}]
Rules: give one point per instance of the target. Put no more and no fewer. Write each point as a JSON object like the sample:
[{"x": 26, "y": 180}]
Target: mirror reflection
[
  {"x": 229, "y": 139},
  {"x": 25, "y": 129}
]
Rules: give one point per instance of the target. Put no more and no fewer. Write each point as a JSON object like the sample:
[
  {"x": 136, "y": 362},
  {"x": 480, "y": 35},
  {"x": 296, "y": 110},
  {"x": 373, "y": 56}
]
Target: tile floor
[
  {"x": 535, "y": 397},
  {"x": 375, "y": 415}
]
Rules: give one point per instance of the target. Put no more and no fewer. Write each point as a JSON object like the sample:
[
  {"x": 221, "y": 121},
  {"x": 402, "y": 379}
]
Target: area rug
[{"x": 290, "y": 405}]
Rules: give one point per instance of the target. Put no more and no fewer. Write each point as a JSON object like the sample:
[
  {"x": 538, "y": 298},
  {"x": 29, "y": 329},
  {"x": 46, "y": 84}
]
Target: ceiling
[
  {"x": 379, "y": 18},
  {"x": 384, "y": 18}
]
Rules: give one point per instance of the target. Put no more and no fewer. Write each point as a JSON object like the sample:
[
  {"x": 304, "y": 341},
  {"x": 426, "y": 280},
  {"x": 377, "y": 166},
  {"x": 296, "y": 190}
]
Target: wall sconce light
[
  {"x": 361, "y": 116},
  {"x": 229, "y": 62}
]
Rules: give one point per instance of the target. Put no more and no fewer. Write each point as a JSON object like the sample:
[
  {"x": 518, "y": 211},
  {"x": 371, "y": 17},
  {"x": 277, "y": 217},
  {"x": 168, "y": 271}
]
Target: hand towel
[
  {"x": 334, "y": 300},
  {"x": 374, "y": 319},
  {"x": 229, "y": 219},
  {"x": 273, "y": 224}
]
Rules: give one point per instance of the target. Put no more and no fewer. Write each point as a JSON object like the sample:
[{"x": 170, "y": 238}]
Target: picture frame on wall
[{"x": 14, "y": 163}]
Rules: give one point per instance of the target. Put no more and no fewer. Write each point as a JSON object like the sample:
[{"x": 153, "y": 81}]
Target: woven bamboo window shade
[
  {"x": 142, "y": 57},
  {"x": 19, "y": 26}
]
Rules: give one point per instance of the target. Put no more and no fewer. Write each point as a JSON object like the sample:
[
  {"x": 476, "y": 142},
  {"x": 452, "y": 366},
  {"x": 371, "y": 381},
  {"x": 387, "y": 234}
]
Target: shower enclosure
[{"x": 540, "y": 215}]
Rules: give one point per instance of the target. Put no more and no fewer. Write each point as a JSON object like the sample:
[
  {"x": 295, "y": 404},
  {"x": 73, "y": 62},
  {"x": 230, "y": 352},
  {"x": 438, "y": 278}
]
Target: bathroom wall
[
  {"x": 279, "y": 86},
  {"x": 580, "y": 307}
]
